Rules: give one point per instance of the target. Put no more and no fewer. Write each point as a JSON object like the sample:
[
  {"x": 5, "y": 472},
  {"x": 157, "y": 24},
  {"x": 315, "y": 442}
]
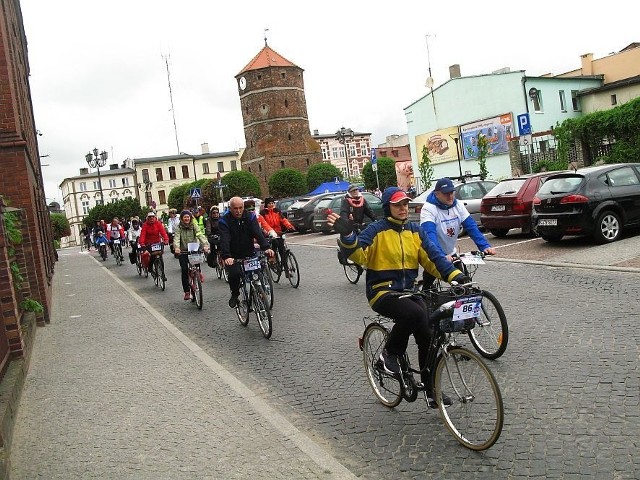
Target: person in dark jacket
[
  {"x": 238, "y": 229},
  {"x": 354, "y": 207}
]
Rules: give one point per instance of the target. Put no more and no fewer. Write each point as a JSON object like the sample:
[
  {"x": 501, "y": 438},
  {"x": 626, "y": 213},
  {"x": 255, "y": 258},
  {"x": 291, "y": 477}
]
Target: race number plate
[
  {"x": 156, "y": 247},
  {"x": 252, "y": 264},
  {"x": 467, "y": 307},
  {"x": 116, "y": 242},
  {"x": 472, "y": 260}
]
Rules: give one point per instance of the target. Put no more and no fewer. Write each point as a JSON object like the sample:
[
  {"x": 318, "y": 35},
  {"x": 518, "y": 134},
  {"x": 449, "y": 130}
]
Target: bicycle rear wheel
[
  {"x": 386, "y": 387},
  {"x": 118, "y": 254},
  {"x": 219, "y": 266},
  {"x": 160, "y": 279},
  {"x": 476, "y": 415},
  {"x": 197, "y": 288},
  {"x": 275, "y": 267},
  {"x": 352, "y": 272},
  {"x": 294, "y": 270},
  {"x": 267, "y": 283},
  {"x": 138, "y": 264},
  {"x": 261, "y": 308},
  {"x": 491, "y": 333},
  {"x": 242, "y": 309}
]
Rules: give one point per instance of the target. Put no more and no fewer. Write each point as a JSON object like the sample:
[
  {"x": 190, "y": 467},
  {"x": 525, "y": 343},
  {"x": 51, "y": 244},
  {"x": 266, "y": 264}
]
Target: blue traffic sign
[
  {"x": 524, "y": 124},
  {"x": 195, "y": 193},
  {"x": 374, "y": 159}
]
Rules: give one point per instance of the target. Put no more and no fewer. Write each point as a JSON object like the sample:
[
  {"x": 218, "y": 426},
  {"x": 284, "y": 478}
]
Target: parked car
[
  {"x": 300, "y": 213},
  {"x": 509, "y": 204},
  {"x": 598, "y": 201},
  {"x": 332, "y": 204},
  {"x": 283, "y": 204},
  {"x": 470, "y": 193}
]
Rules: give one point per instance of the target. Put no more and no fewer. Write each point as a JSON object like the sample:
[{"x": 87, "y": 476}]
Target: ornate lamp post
[
  {"x": 343, "y": 136},
  {"x": 145, "y": 187},
  {"x": 96, "y": 160}
]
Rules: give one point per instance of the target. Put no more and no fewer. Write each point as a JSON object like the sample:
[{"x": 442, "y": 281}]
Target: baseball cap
[
  {"x": 444, "y": 185},
  {"x": 353, "y": 187},
  {"x": 151, "y": 214},
  {"x": 399, "y": 196}
]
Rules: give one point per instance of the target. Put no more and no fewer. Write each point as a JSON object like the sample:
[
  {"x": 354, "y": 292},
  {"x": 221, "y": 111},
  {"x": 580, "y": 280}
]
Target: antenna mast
[
  {"x": 173, "y": 112},
  {"x": 429, "y": 82}
]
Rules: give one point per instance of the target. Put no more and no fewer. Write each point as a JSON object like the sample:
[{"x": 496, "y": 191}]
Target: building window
[
  {"x": 334, "y": 152},
  {"x": 289, "y": 137},
  {"x": 145, "y": 175},
  {"x": 112, "y": 183},
  {"x": 185, "y": 171},
  {"x": 221, "y": 166},
  {"x": 205, "y": 168},
  {"x": 324, "y": 154},
  {"x": 83, "y": 186},
  {"x": 394, "y": 153},
  {"x": 125, "y": 182},
  {"x": 286, "y": 103},
  {"x": 614, "y": 99},
  {"x": 148, "y": 198},
  {"x": 85, "y": 207},
  {"x": 575, "y": 101},
  {"x": 307, "y": 162},
  {"x": 563, "y": 101},
  {"x": 259, "y": 77},
  {"x": 158, "y": 174},
  {"x": 352, "y": 150},
  {"x": 96, "y": 185},
  {"x": 281, "y": 163},
  {"x": 172, "y": 173},
  {"x": 536, "y": 98},
  {"x": 283, "y": 75},
  {"x": 162, "y": 197},
  {"x": 260, "y": 167}
]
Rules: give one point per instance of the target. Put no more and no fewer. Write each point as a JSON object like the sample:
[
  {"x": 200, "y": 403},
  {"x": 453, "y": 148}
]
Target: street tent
[{"x": 330, "y": 187}]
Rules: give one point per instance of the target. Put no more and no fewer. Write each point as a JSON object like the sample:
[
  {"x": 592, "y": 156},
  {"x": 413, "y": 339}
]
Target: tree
[
  {"x": 483, "y": 151},
  {"x": 320, "y": 173},
  {"x": 386, "y": 174},
  {"x": 60, "y": 226},
  {"x": 177, "y": 196},
  {"x": 425, "y": 169},
  {"x": 287, "y": 182},
  {"x": 127, "y": 208},
  {"x": 241, "y": 184}
]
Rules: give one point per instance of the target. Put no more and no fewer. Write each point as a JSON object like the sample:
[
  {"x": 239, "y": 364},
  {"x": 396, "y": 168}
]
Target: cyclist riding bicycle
[
  {"x": 238, "y": 229},
  {"x": 152, "y": 232},
  {"x": 213, "y": 235},
  {"x": 442, "y": 218},
  {"x": 273, "y": 217},
  {"x": 114, "y": 232},
  {"x": 134, "y": 234},
  {"x": 187, "y": 232},
  {"x": 393, "y": 249},
  {"x": 172, "y": 224}
]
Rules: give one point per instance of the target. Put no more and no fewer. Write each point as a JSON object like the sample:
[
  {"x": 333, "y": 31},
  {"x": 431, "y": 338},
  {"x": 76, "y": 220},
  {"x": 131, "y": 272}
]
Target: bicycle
[
  {"x": 102, "y": 250},
  {"x": 475, "y": 415},
  {"x": 117, "y": 251},
  {"x": 85, "y": 244},
  {"x": 352, "y": 270},
  {"x": 276, "y": 267},
  {"x": 221, "y": 272},
  {"x": 196, "y": 257},
  {"x": 254, "y": 297},
  {"x": 491, "y": 333},
  {"x": 156, "y": 265}
]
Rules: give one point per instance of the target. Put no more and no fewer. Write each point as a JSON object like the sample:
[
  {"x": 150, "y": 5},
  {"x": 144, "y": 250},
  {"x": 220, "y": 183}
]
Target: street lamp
[
  {"x": 343, "y": 136},
  {"x": 96, "y": 160},
  {"x": 456, "y": 139},
  {"x": 145, "y": 186}
]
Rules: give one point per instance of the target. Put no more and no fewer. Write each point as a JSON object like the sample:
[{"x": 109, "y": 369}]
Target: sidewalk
[{"x": 113, "y": 396}]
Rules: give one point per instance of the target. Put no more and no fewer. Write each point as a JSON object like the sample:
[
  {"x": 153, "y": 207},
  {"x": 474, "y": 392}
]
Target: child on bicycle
[
  {"x": 392, "y": 249},
  {"x": 187, "y": 231}
]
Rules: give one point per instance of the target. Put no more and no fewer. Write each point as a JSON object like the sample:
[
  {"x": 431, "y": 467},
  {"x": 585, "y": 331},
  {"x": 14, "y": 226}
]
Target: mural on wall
[
  {"x": 404, "y": 174},
  {"x": 498, "y": 131},
  {"x": 440, "y": 145}
]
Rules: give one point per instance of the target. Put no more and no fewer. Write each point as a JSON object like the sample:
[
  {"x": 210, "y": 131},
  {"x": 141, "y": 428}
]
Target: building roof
[
  {"x": 625, "y": 82},
  {"x": 184, "y": 156},
  {"x": 267, "y": 57},
  {"x": 103, "y": 173}
]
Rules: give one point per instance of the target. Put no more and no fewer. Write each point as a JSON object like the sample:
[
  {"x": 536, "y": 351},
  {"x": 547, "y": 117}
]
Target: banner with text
[{"x": 498, "y": 131}]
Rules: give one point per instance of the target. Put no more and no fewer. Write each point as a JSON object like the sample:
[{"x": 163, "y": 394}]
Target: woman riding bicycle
[
  {"x": 279, "y": 225},
  {"x": 187, "y": 231},
  {"x": 392, "y": 249}
]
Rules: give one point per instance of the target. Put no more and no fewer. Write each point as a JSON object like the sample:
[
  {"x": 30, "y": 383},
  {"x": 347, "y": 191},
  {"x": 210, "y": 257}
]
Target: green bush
[
  {"x": 60, "y": 226},
  {"x": 386, "y": 174},
  {"x": 287, "y": 182},
  {"x": 320, "y": 173}
]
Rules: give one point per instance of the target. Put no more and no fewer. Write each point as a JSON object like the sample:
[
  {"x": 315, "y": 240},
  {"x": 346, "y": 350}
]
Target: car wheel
[
  {"x": 551, "y": 238},
  {"x": 499, "y": 232},
  {"x": 608, "y": 227}
]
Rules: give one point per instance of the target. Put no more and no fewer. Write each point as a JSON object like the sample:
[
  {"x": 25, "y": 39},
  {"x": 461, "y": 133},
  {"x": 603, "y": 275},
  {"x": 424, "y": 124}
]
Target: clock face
[{"x": 243, "y": 83}]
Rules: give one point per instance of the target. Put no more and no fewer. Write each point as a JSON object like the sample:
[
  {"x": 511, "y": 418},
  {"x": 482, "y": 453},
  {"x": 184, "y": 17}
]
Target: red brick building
[{"x": 274, "y": 114}]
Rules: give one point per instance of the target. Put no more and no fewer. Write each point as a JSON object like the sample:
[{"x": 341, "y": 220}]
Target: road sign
[
  {"x": 374, "y": 167},
  {"x": 374, "y": 158},
  {"x": 195, "y": 193},
  {"x": 525, "y": 140},
  {"x": 524, "y": 125}
]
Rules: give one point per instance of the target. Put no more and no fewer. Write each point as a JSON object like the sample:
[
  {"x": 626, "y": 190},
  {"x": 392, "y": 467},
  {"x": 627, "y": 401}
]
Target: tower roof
[{"x": 267, "y": 57}]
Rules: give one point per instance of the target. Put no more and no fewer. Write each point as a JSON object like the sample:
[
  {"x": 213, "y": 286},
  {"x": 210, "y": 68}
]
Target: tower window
[
  {"x": 289, "y": 137},
  {"x": 281, "y": 163},
  {"x": 286, "y": 103},
  {"x": 307, "y": 162},
  {"x": 259, "y": 77},
  {"x": 259, "y": 167}
]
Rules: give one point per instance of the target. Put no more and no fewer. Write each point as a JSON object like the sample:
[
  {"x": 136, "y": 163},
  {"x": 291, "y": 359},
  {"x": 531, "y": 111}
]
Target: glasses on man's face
[{"x": 250, "y": 209}]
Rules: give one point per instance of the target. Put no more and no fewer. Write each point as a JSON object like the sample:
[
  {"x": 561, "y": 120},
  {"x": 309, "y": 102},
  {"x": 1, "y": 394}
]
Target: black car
[
  {"x": 599, "y": 201},
  {"x": 300, "y": 214},
  {"x": 283, "y": 204},
  {"x": 333, "y": 204}
]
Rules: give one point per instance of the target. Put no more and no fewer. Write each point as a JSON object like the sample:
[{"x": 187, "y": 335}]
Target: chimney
[
  {"x": 454, "y": 71},
  {"x": 316, "y": 133},
  {"x": 113, "y": 166},
  {"x": 587, "y": 63},
  {"x": 84, "y": 171},
  {"x": 205, "y": 148}
]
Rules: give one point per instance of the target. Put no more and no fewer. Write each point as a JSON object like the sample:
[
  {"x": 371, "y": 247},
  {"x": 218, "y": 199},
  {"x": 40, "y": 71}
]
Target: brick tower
[{"x": 274, "y": 114}]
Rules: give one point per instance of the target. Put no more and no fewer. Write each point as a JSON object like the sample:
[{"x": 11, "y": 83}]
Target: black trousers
[
  {"x": 234, "y": 272},
  {"x": 184, "y": 267}
]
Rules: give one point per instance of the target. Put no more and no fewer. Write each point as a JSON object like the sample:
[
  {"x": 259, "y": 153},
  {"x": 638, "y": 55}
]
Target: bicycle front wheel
[
  {"x": 267, "y": 283},
  {"x": 491, "y": 332},
  {"x": 242, "y": 309},
  {"x": 197, "y": 289},
  {"x": 352, "y": 272},
  {"x": 294, "y": 270},
  {"x": 476, "y": 414},
  {"x": 118, "y": 254},
  {"x": 261, "y": 308},
  {"x": 275, "y": 268},
  {"x": 385, "y": 387}
]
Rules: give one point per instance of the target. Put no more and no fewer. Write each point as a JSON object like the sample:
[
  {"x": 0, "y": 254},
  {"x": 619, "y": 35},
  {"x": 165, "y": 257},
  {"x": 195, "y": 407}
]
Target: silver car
[{"x": 470, "y": 193}]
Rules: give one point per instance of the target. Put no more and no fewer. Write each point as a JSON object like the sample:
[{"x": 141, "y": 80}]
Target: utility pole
[
  {"x": 429, "y": 82},
  {"x": 173, "y": 112}
]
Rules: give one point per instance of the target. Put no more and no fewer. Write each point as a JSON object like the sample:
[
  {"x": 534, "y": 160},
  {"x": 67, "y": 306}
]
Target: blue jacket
[
  {"x": 391, "y": 251},
  {"x": 100, "y": 240},
  {"x": 237, "y": 235}
]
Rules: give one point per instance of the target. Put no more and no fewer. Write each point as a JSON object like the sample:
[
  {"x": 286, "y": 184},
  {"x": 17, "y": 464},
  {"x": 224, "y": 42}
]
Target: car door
[{"x": 624, "y": 185}]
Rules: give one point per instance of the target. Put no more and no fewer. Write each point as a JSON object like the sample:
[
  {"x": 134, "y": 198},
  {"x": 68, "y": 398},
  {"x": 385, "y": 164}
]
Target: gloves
[
  {"x": 342, "y": 226},
  {"x": 273, "y": 234},
  {"x": 461, "y": 279}
]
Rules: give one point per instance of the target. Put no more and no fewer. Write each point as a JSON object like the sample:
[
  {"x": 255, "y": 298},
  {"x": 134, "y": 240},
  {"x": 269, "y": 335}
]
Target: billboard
[
  {"x": 440, "y": 144},
  {"x": 498, "y": 131}
]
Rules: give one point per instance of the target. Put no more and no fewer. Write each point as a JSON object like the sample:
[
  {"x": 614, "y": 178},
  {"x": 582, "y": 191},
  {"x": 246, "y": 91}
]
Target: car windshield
[
  {"x": 324, "y": 203},
  {"x": 507, "y": 187},
  {"x": 561, "y": 185},
  {"x": 299, "y": 204}
]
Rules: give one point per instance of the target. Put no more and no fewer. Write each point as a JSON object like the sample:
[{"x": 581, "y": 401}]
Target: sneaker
[
  {"x": 433, "y": 404},
  {"x": 187, "y": 296},
  {"x": 233, "y": 301},
  {"x": 388, "y": 363}
]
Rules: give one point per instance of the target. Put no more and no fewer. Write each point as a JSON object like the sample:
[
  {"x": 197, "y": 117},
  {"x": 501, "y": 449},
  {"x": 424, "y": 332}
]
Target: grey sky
[{"x": 98, "y": 77}]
